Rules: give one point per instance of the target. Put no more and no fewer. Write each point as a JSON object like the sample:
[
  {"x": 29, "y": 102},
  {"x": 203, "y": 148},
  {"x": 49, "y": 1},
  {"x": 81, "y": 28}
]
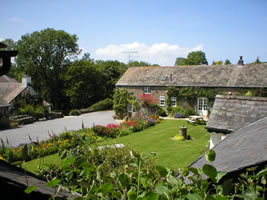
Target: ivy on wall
[{"x": 191, "y": 94}]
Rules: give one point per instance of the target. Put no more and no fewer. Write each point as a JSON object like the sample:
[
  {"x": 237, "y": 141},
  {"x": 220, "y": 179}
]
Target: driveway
[{"x": 40, "y": 130}]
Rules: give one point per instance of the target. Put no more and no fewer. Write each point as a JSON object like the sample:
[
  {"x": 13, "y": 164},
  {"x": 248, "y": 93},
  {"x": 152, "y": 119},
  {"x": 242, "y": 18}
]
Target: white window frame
[
  {"x": 147, "y": 90},
  {"x": 173, "y": 101},
  {"x": 130, "y": 107},
  {"x": 162, "y": 100}
]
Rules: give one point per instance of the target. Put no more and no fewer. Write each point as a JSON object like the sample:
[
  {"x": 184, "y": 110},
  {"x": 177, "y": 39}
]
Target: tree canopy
[
  {"x": 44, "y": 56},
  {"x": 193, "y": 58},
  {"x": 197, "y": 58},
  {"x": 140, "y": 64},
  {"x": 180, "y": 61},
  {"x": 227, "y": 62}
]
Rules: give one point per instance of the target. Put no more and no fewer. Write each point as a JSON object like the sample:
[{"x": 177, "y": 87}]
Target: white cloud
[
  {"x": 15, "y": 20},
  {"x": 159, "y": 53}
]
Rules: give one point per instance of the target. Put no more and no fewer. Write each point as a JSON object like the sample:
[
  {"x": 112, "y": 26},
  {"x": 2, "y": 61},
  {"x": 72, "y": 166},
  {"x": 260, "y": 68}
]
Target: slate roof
[
  {"x": 230, "y": 113},
  {"x": 240, "y": 76},
  {"x": 244, "y": 148},
  {"x": 9, "y": 89},
  {"x": 18, "y": 177}
]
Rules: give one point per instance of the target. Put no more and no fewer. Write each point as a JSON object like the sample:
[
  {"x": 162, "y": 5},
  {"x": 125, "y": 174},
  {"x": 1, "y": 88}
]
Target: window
[
  {"x": 162, "y": 101},
  {"x": 173, "y": 101},
  {"x": 130, "y": 107},
  {"x": 147, "y": 90}
]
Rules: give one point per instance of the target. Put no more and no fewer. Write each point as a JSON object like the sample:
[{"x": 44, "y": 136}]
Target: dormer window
[
  {"x": 147, "y": 90},
  {"x": 164, "y": 78}
]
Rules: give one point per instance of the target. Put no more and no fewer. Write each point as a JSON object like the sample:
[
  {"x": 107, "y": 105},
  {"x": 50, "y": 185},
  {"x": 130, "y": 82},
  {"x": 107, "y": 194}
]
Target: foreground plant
[{"x": 124, "y": 174}]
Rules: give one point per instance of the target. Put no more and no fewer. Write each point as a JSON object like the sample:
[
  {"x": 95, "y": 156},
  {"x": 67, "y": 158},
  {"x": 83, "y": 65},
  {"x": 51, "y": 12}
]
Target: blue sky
[{"x": 158, "y": 30}]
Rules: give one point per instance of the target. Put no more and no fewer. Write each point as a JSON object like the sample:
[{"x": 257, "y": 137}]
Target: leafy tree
[
  {"x": 138, "y": 64},
  {"x": 83, "y": 83},
  {"x": 180, "y": 61},
  {"x": 227, "y": 62},
  {"x": 11, "y": 44},
  {"x": 86, "y": 56},
  {"x": 110, "y": 71},
  {"x": 45, "y": 56},
  {"x": 197, "y": 58}
]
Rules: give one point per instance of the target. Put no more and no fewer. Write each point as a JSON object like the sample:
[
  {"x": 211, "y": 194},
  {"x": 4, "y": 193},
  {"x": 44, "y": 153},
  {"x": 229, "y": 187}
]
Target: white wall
[{"x": 215, "y": 138}]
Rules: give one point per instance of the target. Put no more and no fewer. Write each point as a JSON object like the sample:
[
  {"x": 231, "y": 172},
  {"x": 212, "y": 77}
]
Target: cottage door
[{"x": 202, "y": 106}]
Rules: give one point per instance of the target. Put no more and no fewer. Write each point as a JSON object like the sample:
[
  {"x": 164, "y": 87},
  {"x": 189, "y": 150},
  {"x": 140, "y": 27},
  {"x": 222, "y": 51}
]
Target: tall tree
[
  {"x": 180, "y": 61},
  {"x": 111, "y": 71},
  {"x": 83, "y": 83},
  {"x": 45, "y": 56},
  {"x": 197, "y": 58}
]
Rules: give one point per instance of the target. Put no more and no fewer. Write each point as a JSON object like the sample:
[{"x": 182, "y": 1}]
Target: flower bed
[{"x": 54, "y": 144}]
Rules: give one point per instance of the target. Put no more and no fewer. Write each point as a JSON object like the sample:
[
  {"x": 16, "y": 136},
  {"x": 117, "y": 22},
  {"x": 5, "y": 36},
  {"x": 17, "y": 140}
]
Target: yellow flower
[{"x": 1, "y": 157}]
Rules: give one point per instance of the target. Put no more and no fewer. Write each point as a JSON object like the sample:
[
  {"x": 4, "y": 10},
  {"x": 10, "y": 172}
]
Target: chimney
[
  {"x": 240, "y": 61},
  {"x": 171, "y": 77},
  {"x": 26, "y": 80}
]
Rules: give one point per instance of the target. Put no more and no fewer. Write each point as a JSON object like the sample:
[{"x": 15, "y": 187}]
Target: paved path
[{"x": 40, "y": 130}]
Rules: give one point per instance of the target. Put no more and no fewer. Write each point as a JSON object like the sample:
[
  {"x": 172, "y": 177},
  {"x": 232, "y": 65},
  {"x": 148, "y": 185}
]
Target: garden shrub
[
  {"x": 104, "y": 131},
  {"x": 178, "y": 112},
  {"x": 162, "y": 112},
  {"x": 74, "y": 112},
  {"x": 105, "y": 104},
  {"x": 37, "y": 111}
]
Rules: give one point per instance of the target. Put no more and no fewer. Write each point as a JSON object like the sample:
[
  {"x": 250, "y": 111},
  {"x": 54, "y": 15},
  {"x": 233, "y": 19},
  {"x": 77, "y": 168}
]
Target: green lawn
[
  {"x": 172, "y": 154},
  {"x": 32, "y": 165}
]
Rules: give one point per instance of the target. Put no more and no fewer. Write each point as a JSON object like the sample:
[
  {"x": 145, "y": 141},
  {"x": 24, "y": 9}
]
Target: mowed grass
[
  {"x": 169, "y": 153},
  {"x": 33, "y": 165}
]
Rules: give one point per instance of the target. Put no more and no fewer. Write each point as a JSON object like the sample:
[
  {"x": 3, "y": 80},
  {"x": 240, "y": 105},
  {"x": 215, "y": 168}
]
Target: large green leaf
[
  {"x": 193, "y": 196},
  {"x": 29, "y": 189},
  {"x": 161, "y": 189},
  {"x": 124, "y": 180},
  {"x": 106, "y": 188},
  {"x": 172, "y": 180},
  {"x": 162, "y": 171},
  {"x": 210, "y": 171},
  {"x": 227, "y": 186},
  {"x": 132, "y": 195},
  {"x": 220, "y": 175},
  {"x": 210, "y": 156},
  {"x": 53, "y": 183}
]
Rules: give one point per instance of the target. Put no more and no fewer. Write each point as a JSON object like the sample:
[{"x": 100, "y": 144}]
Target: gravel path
[{"x": 40, "y": 130}]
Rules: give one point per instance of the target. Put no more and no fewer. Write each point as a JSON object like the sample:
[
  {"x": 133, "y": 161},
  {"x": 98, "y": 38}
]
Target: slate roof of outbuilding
[
  {"x": 246, "y": 76},
  {"x": 244, "y": 148},
  {"x": 230, "y": 113},
  {"x": 21, "y": 178},
  {"x": 9, "y": 89}
]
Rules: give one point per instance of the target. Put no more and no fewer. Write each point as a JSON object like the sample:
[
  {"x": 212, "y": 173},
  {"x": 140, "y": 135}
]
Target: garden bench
[{"x": 191, "y": 121}]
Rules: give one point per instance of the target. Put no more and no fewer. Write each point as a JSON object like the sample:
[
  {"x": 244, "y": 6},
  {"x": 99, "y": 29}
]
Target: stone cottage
[
  {"x": 11, "y": 89},
  {"x": 214, "y": 79}
]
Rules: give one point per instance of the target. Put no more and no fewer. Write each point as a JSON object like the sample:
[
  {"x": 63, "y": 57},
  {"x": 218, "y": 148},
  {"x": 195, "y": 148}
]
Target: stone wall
[{"x": 183, "y": 103}]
